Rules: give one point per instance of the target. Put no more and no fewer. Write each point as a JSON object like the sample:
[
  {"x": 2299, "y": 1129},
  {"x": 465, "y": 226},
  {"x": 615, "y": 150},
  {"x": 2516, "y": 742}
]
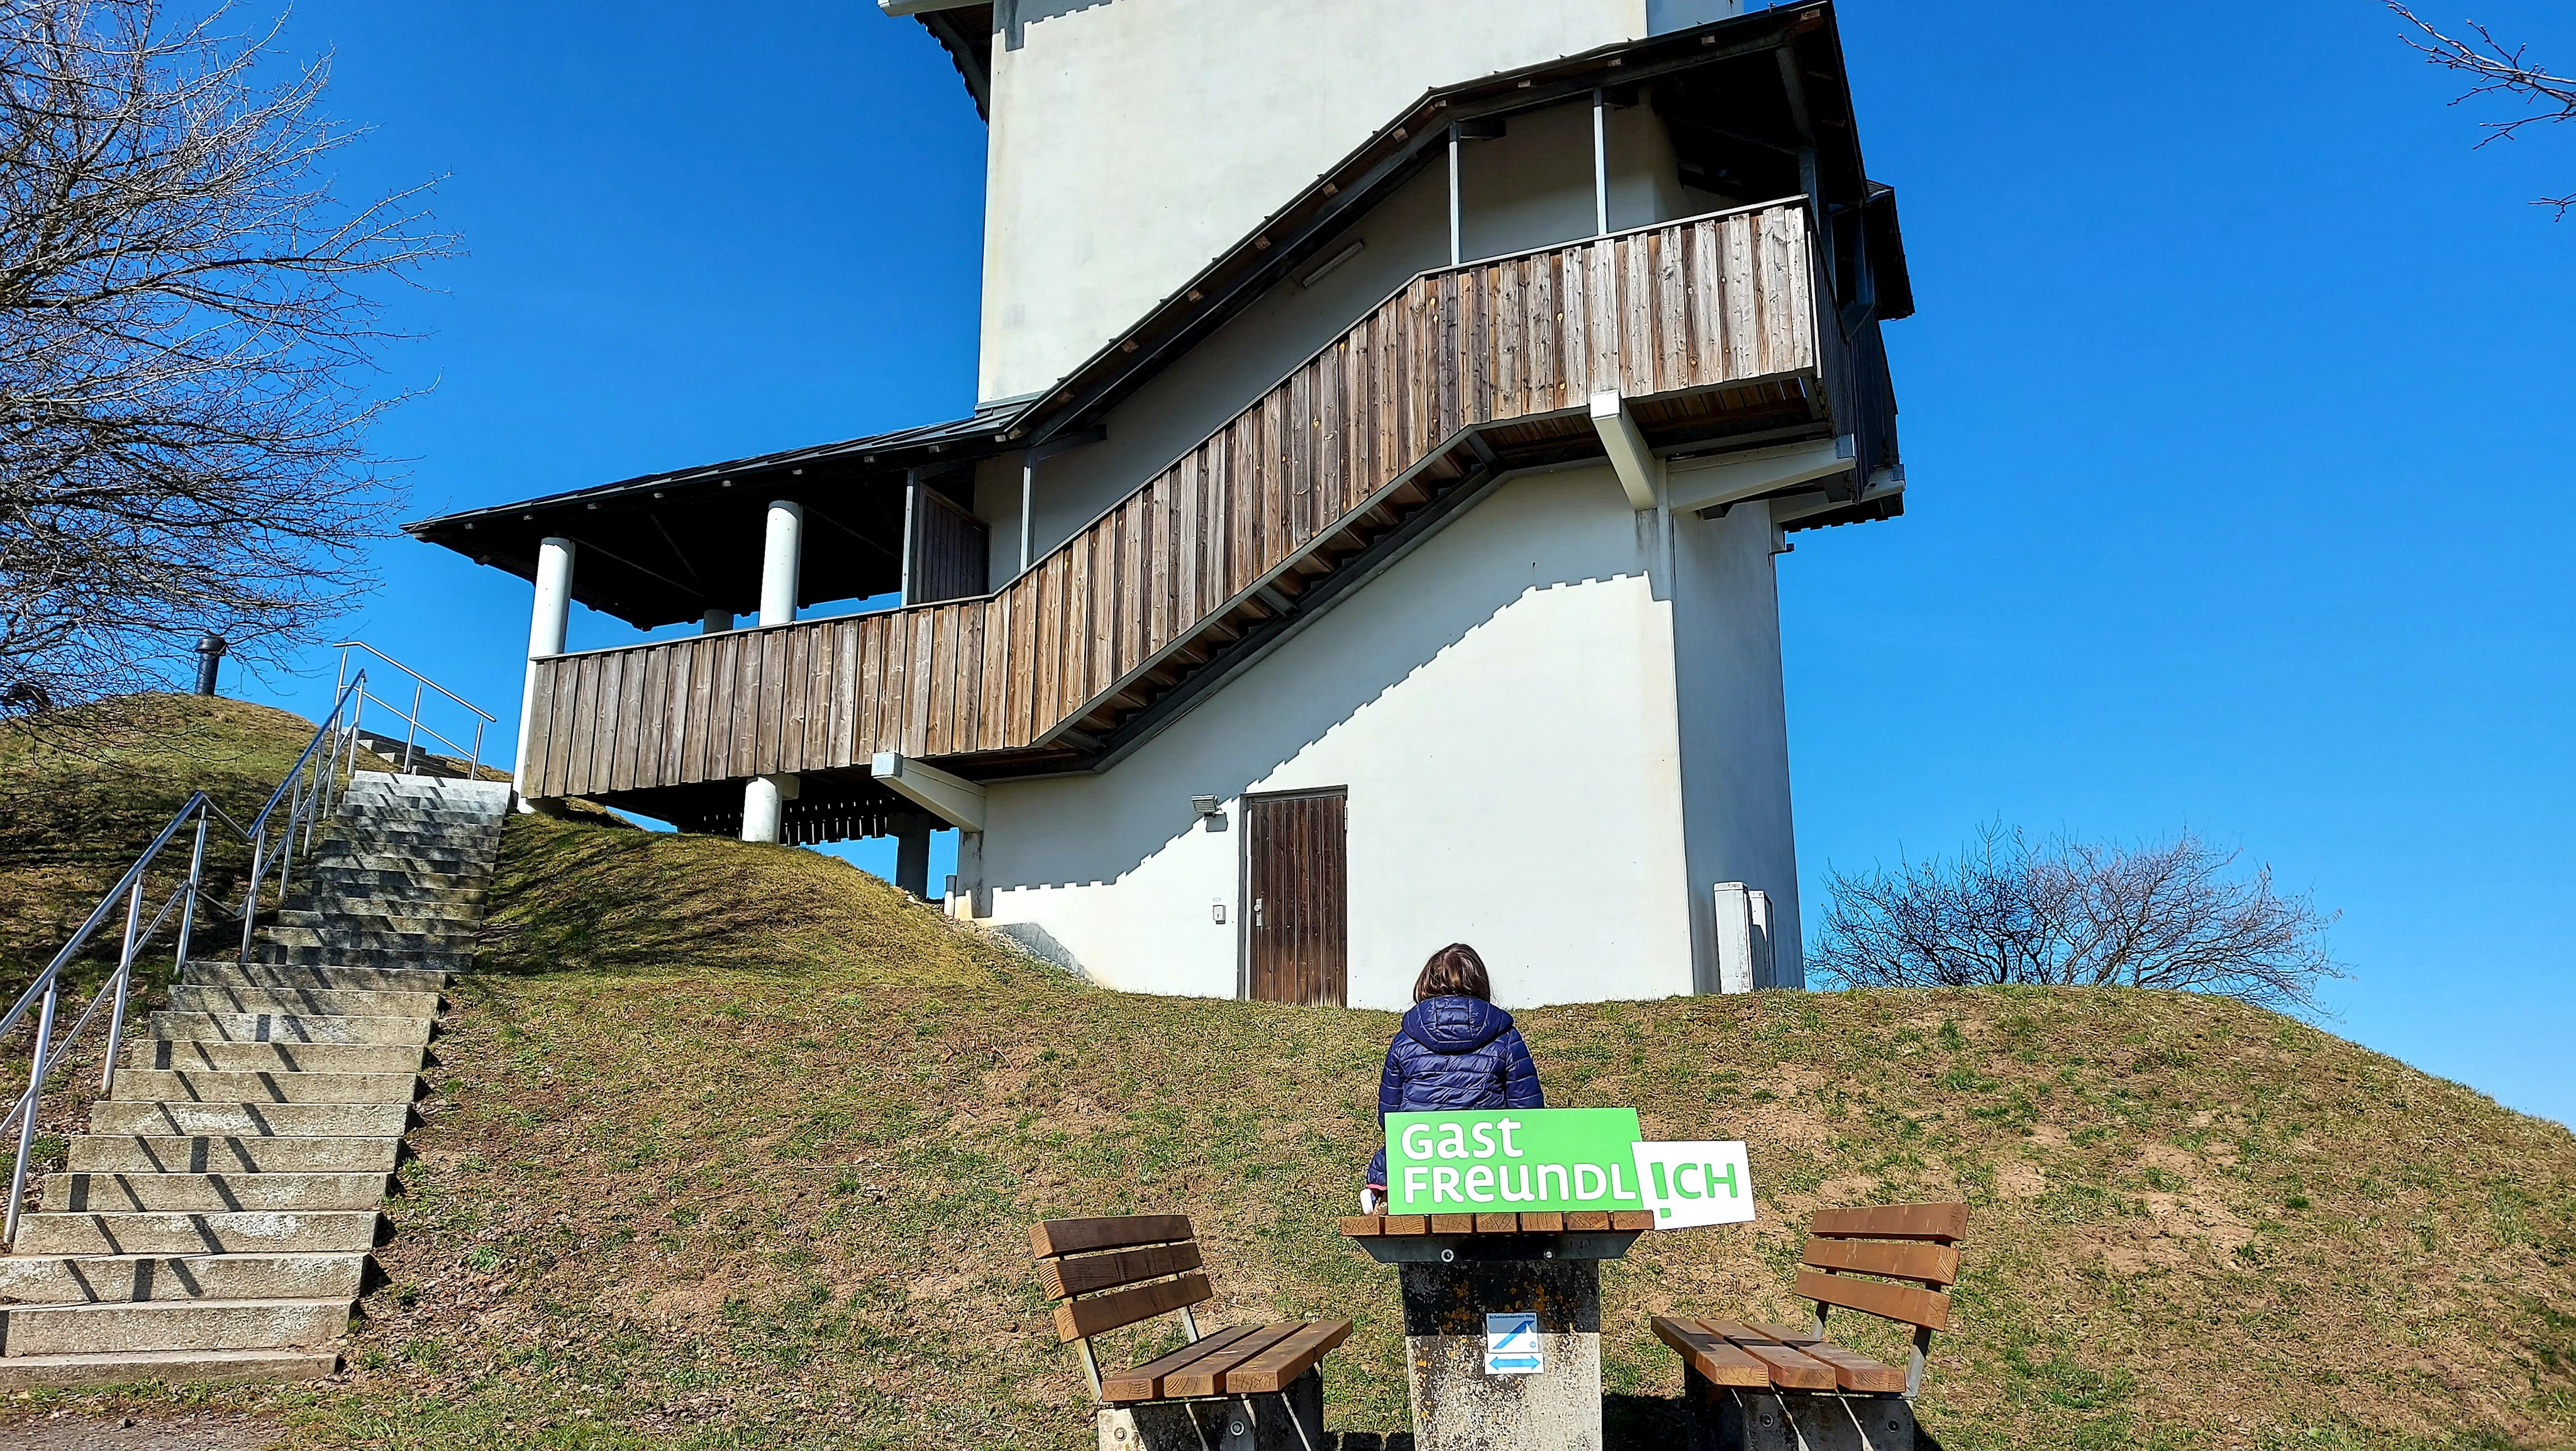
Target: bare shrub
[
  {"x": 186, "y": 348},
  {"x": 2168, "y": 914}
]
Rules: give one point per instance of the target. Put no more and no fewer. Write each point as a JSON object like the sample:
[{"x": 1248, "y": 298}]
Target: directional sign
[{"x": 1511, "y": 1343}]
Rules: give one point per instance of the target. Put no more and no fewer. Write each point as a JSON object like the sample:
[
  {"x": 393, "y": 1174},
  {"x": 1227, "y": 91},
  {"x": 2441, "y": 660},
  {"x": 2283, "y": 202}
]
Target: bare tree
[
  {"x": 187, "y": 347},
  {"x": 2169, "y": 914},
  {"x": 2494, "y": 69}
]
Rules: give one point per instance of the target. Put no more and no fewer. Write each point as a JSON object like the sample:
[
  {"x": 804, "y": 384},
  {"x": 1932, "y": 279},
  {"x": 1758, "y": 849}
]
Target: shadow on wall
[
  {"x": 1531, "y": 536},
  {"x": 1011, "y": 18}
]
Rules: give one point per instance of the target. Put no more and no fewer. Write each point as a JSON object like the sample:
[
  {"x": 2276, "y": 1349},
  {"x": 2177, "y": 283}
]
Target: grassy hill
[{"x": 734, "y": 1146}]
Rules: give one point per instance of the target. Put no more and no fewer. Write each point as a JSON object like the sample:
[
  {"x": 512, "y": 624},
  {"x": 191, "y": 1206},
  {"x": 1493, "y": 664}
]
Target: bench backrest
[
  {"x": 1912, "y": 1250},
  {"x": 1112, "y": 1273}
]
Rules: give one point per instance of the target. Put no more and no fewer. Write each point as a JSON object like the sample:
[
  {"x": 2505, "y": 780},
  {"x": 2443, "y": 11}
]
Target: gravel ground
[{"x": 78, "y": 1432}]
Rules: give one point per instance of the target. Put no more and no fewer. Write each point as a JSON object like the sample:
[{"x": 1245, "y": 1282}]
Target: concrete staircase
[{"x": 216, "y": 1219}]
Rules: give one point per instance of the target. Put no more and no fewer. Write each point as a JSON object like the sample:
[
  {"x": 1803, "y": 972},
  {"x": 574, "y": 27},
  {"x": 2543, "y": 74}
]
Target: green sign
[{"x": 1521, "y": 1160}]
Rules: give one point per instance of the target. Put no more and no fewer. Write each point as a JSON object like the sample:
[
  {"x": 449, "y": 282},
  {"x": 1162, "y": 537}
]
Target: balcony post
[
  {"x": 715, "y": 622},
  {"x": 764, "y": 798},
  {"x": 912, "y": 854},
  {"x": 781, "y": 555},
  {"x": 546, "y": 626}
]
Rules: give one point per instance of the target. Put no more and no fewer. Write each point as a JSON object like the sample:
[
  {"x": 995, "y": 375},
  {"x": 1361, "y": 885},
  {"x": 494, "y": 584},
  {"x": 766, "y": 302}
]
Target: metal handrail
[
  {"x": 311, "y": 789},
  {"x": 412, "y": 718}
]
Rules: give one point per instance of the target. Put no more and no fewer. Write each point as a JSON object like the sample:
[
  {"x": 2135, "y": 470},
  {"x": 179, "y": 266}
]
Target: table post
[{"x": 1471, "y": 1391}]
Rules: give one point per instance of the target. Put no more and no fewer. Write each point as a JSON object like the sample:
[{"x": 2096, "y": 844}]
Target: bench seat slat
[
  {"x": 1075, "y": 1319},
  {"x": 1858, "y": 1372},
  {"x": 1710, "y": 1355},
  {"x": 1902, "y": 1303},
  {"x": 1942, "y": 1223},
  {"x": 1790, "y": 1369},
  {"x": 1145, "y": 1382},
  {"x": 1054, "y": 1237},
  {"x": 1288, "y": 1359},
  {"x": 1064, "y": 1278},
  {"x": 1205, "y": 1376},
  {"x": 1407, "y": 1225},
  {"x": 1363, "y": 1226}
]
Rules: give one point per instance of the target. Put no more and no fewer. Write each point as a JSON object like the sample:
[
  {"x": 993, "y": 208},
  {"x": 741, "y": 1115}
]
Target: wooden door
[
  {"x": 945, "y": 549},
  {"x": 1296, "y": 939}
]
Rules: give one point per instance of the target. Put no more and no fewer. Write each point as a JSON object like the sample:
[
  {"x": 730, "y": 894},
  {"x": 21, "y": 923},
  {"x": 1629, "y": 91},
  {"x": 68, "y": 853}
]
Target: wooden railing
[{"x": 1691, "y": 305}]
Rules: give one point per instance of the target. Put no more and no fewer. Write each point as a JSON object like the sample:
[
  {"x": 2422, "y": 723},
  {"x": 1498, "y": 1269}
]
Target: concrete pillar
[
  {"x": 912, "y": 854},
  {"x": 546, "y": 625},
  {"x": 781, "y": 554},
  {"x": 969, "y": 901},
  {"x": 715, "y": 622},
  {"x": 764, "y": 802}
]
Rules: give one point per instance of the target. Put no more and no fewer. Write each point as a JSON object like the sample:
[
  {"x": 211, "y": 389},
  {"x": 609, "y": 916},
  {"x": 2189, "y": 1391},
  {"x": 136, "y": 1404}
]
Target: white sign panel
[
  {"x": 1694, "y": 1184},
  {"x": 1511, "y": 1343}
]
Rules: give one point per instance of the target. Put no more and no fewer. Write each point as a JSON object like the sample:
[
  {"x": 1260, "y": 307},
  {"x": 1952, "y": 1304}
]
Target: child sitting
[{"x": 1456, "y": 1050}]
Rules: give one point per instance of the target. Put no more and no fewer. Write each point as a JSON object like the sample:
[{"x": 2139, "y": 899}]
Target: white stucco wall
[
  {"x": 1501, "y": 709},
  {"x": 1133, "y": 139},
  {"x": 1734, "y": 729}
]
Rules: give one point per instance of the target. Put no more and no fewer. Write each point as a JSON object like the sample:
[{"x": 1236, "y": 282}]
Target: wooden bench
[
  {"x": 1754, "y": 1387},
  {"x": 1113, "y": 1273}
]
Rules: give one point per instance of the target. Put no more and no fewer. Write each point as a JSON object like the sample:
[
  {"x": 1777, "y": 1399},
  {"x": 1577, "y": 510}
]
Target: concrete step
[
  {"x": 208, "y": 1193},
  {"x": 492, "y": 796},
  {"x": 74, "y": 1279},
  {"x": 198, "y": 1085},
  {"x": 289, "y": 1028},
  {"x": 329, "y": 977},
  {"x": 173, "y": 1325},
  {"x": 375, "y": 806},
  {"x": 411, "y": 868},
  {"x": 361, "y": 930},
  {"x": 392, "y": 883},
  {"x": 426, "y": 845},
  {"x": 310, "y": 1002},
  {"x": 250, "y": 1120},
  {"x": 172, "y": 1367},
  {"x": 176, "y": 1053},
  {"x": 381, "y": 917},
  {"x": 232, "y": 1154},
  {"x": 275, "y": 955},
  {"x": 342, "y": 900},
  {"x": 258, "y": 1231}
]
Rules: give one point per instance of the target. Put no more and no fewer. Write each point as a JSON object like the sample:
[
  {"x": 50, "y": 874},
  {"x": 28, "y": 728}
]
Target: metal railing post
[
  {"x": 414, "y": 733},
  {"x": 250, "y": 893},
  {"x": 124, "y": 984},
  {"x": 196, "y": 879},
  {"x": 27, "y": 1106}
]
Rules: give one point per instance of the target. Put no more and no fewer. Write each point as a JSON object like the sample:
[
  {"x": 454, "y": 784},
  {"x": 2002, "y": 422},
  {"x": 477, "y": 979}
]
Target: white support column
[
  {"x": 764, "y": 802},
  {"x": 969, "y": 901},
  {"x": 1028, "y": 502},
  {"x": 1456, "y": 140},
  {"x": 782, "y": 553},
  {"x": 715, "y": 622},
  {"x": 764, "y": 798},
  {"x": 1600, "y": 163},
  {"x": 546, "y": 625}
]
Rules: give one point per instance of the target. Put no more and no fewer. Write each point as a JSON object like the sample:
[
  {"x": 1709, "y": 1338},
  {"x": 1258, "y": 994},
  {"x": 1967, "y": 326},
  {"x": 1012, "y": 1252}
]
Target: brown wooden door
[{"x": 1295, "y": 899}]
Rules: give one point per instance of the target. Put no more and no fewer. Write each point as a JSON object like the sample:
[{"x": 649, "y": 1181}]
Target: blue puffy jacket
[{"x": 1454, "y": 1053}]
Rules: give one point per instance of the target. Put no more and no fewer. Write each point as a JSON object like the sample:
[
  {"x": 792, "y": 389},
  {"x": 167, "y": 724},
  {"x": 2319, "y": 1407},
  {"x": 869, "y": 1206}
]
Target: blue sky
[{"x": 2237, "y": 418}]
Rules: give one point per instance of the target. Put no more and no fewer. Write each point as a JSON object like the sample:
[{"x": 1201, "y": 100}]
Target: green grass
[{"x": 733, "y": 1146}]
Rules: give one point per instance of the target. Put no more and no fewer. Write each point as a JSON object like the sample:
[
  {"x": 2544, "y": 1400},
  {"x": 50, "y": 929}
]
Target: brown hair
[{"x": 1455, "y": 971}]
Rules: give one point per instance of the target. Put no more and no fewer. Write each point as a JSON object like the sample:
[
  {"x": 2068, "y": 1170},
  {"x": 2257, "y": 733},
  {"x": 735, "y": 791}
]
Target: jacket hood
[{"x": 1455, "y": 1025}]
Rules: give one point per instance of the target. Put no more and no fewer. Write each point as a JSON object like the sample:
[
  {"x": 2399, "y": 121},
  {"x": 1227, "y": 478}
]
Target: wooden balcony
[{"x": 1715, "y": 329}]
